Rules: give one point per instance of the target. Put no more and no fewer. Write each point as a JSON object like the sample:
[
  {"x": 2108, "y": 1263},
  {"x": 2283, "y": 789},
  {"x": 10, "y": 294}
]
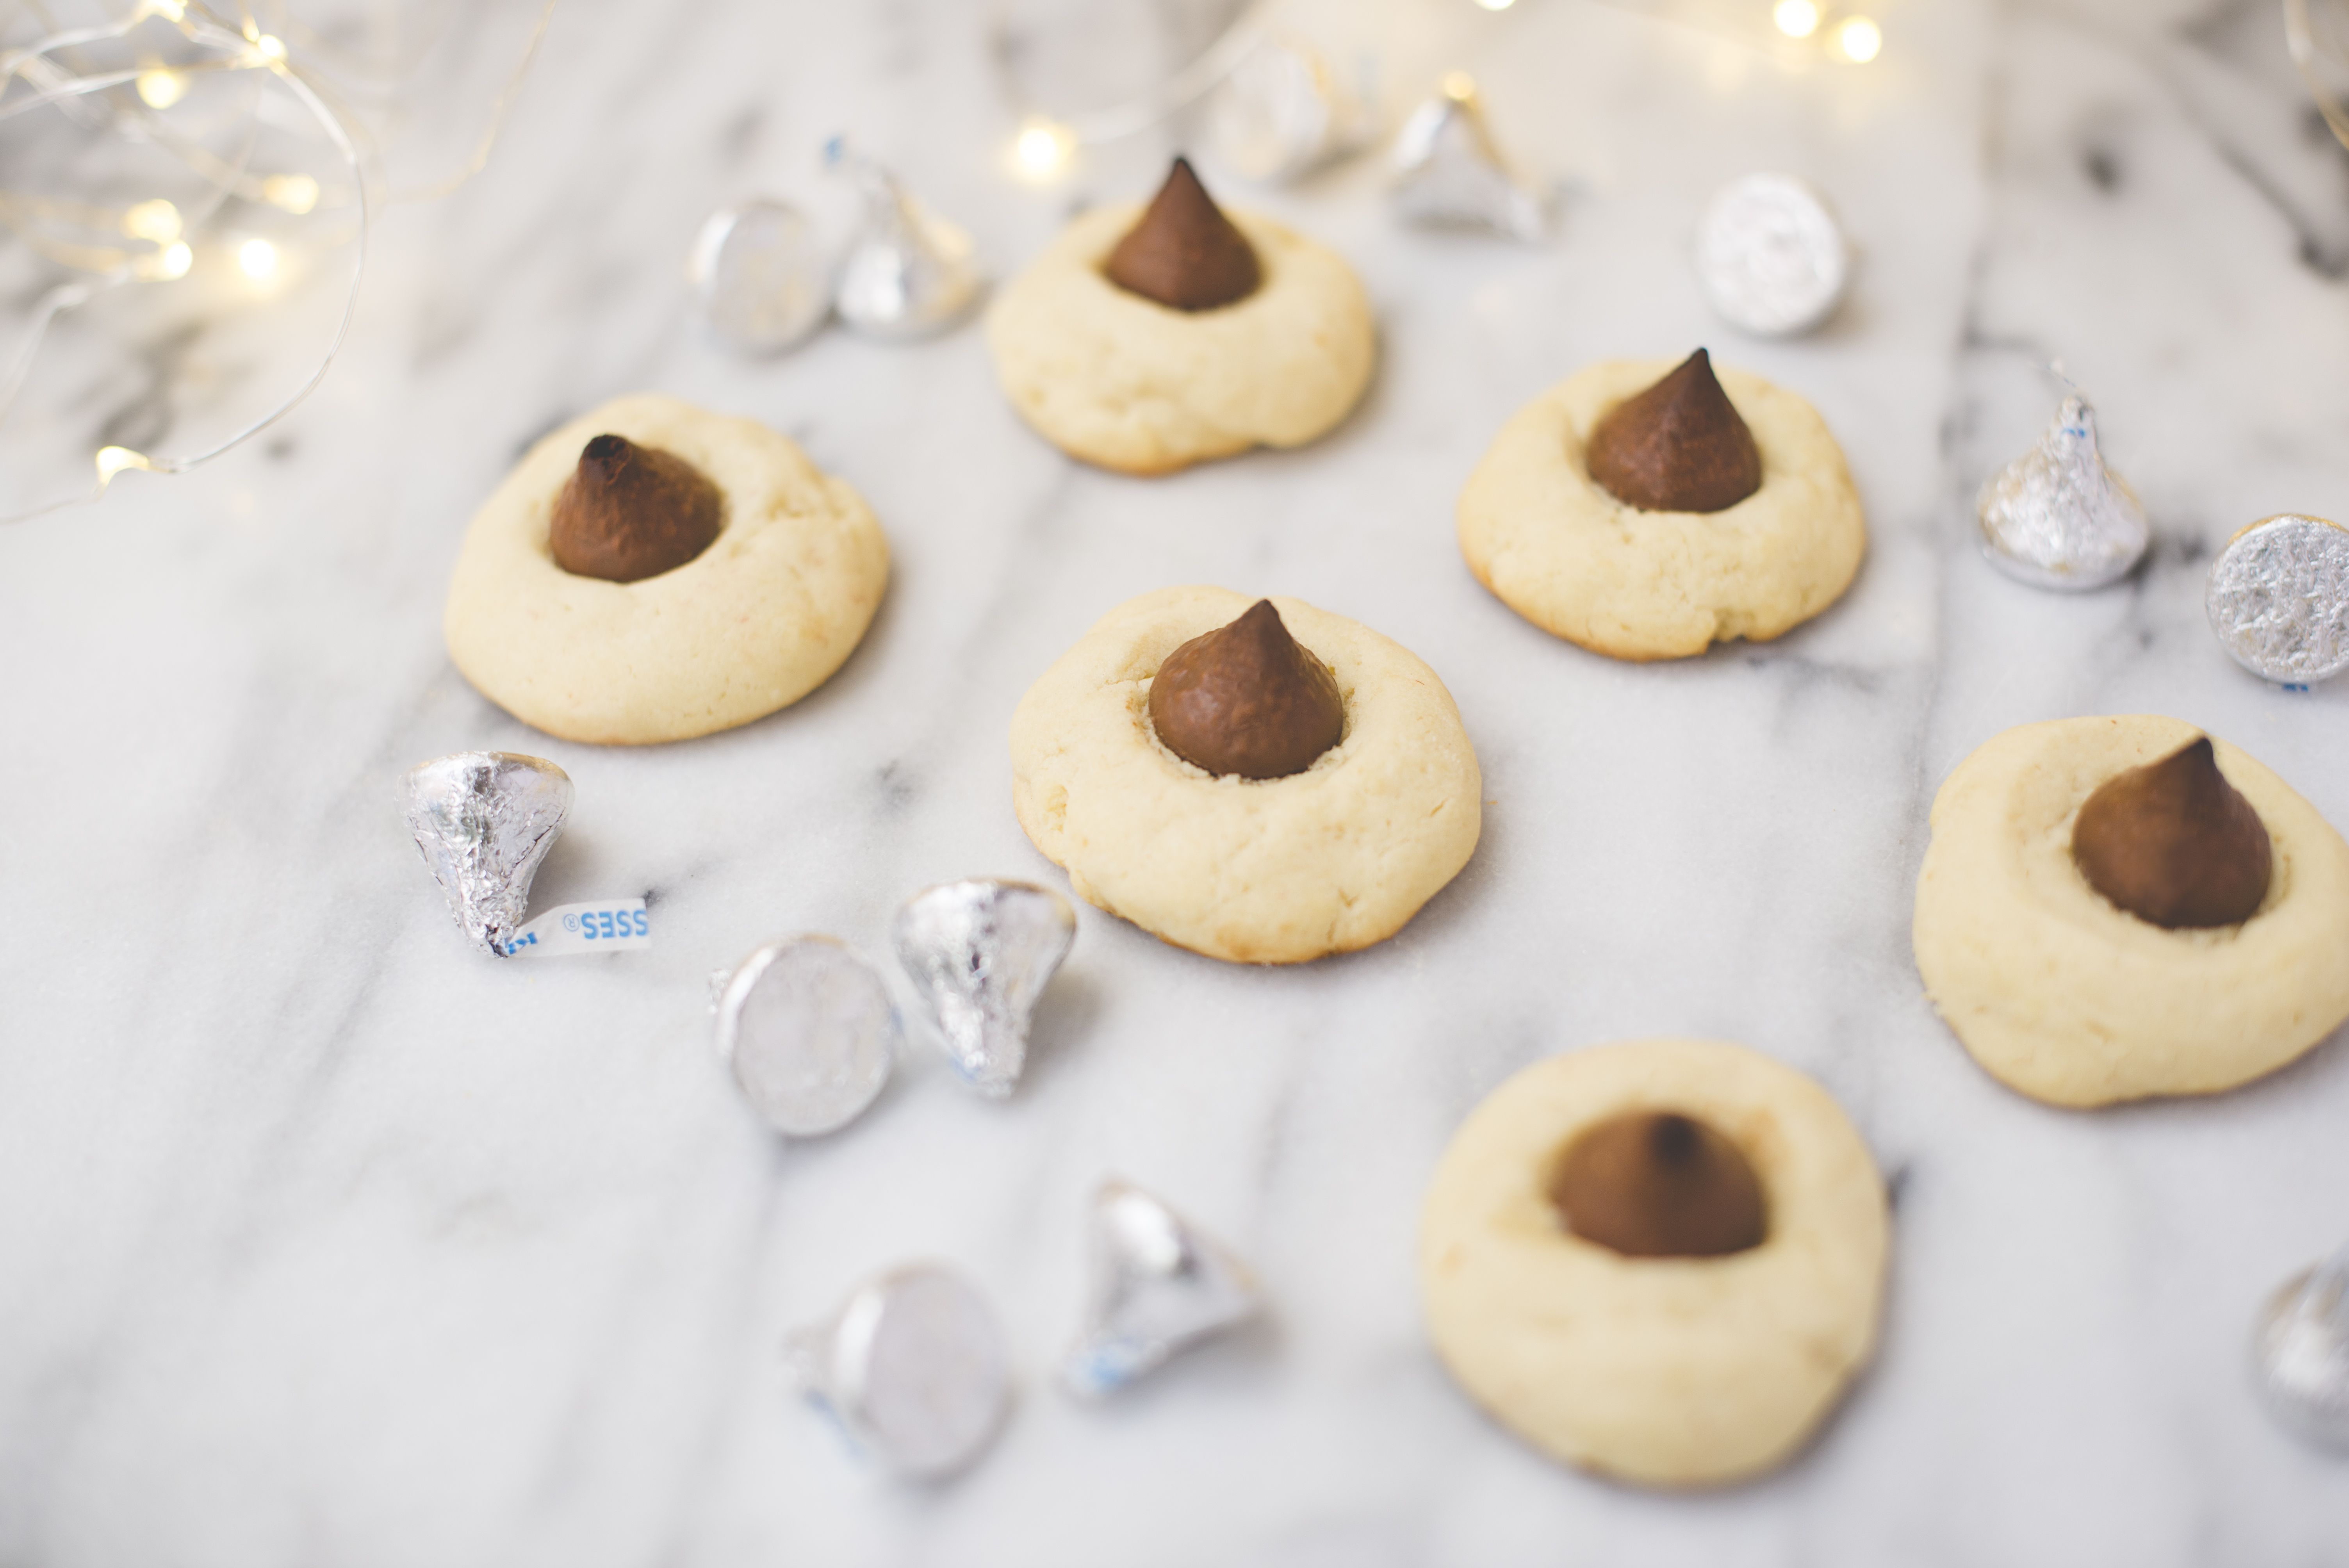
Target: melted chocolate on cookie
[
  {"x": 2174, "y": 844},
  {"x": 1680, "y": 446},
  {"x": 1659, "y": 1184},
  {"x": 629, "y": 512},
  {"x": 1246, "y": 699},
  {"x": 1184, "y": 252}
]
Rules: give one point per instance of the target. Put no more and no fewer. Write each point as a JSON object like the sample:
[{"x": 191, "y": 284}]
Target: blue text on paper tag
[{"x": 604, "y": 925}]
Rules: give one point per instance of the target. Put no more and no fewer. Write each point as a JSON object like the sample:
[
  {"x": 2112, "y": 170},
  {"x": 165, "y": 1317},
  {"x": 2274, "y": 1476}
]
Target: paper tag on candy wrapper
[{"x": 604, "y": 925}]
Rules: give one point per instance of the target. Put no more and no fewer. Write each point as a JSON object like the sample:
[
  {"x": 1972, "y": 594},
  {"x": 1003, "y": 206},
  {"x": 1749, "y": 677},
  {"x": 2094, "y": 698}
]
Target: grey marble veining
[{"x": 324, "y": 1240}]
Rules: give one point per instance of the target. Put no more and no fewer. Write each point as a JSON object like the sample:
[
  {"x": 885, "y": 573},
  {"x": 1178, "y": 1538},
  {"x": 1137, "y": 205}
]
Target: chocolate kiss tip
[
  {"x": 1659, "y": 1185},
  {"x": 1680, "y": 446},
  {"x": 1184, "y": 253},
  {"x": 2174, "y": 844},
  {"x": 628, "y": 512},
  {"x": 1247, "y": 699}
]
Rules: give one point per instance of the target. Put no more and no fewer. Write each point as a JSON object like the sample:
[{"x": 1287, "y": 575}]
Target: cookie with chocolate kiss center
[
  {"x": 1659, "y": 1185},
  {"x": 1680, "y": 446},
  {"x": 1184, "y": 252},
  {"x": 1247, "y": 699},
  {"x": 2174, "y": 844},
  {"x": 628, "y": 512}
]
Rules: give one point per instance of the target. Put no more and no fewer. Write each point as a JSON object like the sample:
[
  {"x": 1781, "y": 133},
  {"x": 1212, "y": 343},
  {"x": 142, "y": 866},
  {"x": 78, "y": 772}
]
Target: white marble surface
[{"x": 323, "y": 1240}]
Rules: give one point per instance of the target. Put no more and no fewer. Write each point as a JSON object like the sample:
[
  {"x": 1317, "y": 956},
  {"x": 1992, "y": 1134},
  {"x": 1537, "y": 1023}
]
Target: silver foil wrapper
[
  {"x": 2299, "y": 1352},
  {"x": 485, "y": 820},
  {"x": 1770, "y": 257},
  {"x": 808, "y": 1029},
  {"x": 909, "y": 272},
  {"x": 1158, "y": 1284},
  {"x": 1449, "y": 174},
  {"x": 2278, "y": 599},
  {"x": 913, "y": 1367},
  {"x": 2056, "y": 517},
  {"x": 761, "y": 276},
  {"x": 1283, "y": 112},
  {"x": 980, "y": 954}
]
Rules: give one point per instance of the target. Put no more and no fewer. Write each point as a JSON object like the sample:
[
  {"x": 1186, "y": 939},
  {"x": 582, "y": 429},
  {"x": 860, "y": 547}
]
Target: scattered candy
[
  {"x": 483, "y": 821},
  {"x": 808, "y": 1029},
  {"x": 2278, "y": 599},
  {"x": 1283, "y": 113},
  {"x": 980, "y": 954},
  {"x": 913, "y": 1368},
  {"x": 1770, "y": 257},
  {"x": 1158, "y": 1286},
  {"x": 2301, "y": 1353},
  {"x": 910, "y": 273},
  {"x": 762, "y": 276},
  {"x": 1449, "y": 174},
  {"x": 2056, "y": 517}
]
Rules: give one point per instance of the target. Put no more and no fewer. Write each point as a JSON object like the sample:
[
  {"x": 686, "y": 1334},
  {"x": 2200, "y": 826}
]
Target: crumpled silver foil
[
  {"x": 913, "y": 1368},
  {"x": 2056, "y": 517},
  {"x": 1158, "y": 1284},
  {"x": 807, "y": 1026},
  {"x": 2278, "y": 599},
  {"x": 761, "y": 276},
  {"x": 1450, "y": 175},
  {"x": 1770, "y": 256},
  {"x": 980, "y": 954},
  {"x": 1283, "y": 112},
  {"x": 483, "y": 821},
  {"x": 2300, "y": 1354},
  {"x": 910, "y": 273}
]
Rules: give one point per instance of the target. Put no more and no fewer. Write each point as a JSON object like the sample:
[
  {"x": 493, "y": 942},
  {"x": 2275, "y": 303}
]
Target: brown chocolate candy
[
  {"x": 1247, "y": 699},
  {"x": 1680, "y": 446},
  {"x": 1184, "y": 252},
  {"x": 2174, "y": 844},
  {"x": 629, "y": 512},
  {"x": 1659, "y": 1184}
]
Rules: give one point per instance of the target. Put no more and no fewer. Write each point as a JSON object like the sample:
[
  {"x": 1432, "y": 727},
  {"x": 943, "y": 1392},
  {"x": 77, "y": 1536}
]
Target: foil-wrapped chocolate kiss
[
  {"x": 484, "y": 820},
  {"x": 2056, "y": 517},
  {"x": 1158, "y": 1284},
  {"x": 915, "y": 1368},
  {"x": 808, "y": 1029},
  {"x": 980, "y": 954}
]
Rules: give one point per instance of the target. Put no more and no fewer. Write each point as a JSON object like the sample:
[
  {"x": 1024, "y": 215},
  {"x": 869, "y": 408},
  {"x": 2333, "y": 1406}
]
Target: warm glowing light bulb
[
  {"x": 112, "y": 460},
  {"x": 258, "y": 258},
  {"x": 170, "y": 10},
  {"x": 175, "y": 260},
  {"x": 1043, "y": 149},
  {"x": 293, "y": 193},
  {"x": 1860, "y": 40},
  {"x": 161, "y": 87},
  {"x": 1496, "y": 4},
  {"x": 157, "y": 220},
  {"x": 1796, "y": 18},
  {"x": 270, "y": 47}
]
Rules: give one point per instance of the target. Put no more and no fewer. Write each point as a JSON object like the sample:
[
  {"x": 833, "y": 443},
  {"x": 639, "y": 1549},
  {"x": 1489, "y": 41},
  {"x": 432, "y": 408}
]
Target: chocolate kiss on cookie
[
  {"x": 1680, "y": 446},
  {"x": 1184, "y": 252},
  {"x": 1247, "y": 699},
  {"x": 1659, "y": 1184},
  {"x": 628, "y": 512},
  {"x": 2174, "y": 844}
]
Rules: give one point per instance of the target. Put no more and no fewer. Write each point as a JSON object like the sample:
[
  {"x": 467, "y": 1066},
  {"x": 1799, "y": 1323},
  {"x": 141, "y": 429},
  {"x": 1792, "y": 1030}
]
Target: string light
[
  {"x": 157, "y": 220},
  {"x": 1043, "y": 149},
  {"x": 1859, "y": 40},
  {"x": 295, "y": 194},
  {"x": 164, "y": 251},
  {"x": 1796, "y": 18},
  {"x": 1496, "y": 4},
  {"x": 161, "y": 87}
]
